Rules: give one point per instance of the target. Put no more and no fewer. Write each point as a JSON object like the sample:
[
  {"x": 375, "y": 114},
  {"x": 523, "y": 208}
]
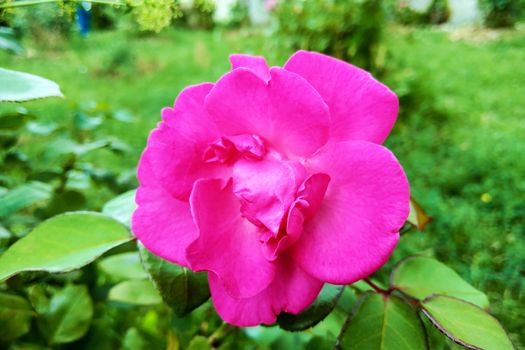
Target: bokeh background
[{"x": 457, "y": 67}]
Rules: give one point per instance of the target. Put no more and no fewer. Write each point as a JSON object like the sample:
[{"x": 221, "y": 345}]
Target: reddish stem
[{"x": 377, "y": 288}]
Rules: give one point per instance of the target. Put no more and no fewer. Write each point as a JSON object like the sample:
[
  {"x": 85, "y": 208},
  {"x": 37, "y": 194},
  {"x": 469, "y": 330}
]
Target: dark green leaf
[
  {"x": 136, "y": 292},
  {"x": 68, "y": 315},
  {"x": 14, "y": 120},
  {"x": 15, "y": 317},
  {"x": 63, "y": 243},
  {"x": 125, "y": 266},
  {"x": 384, "y": 323},
  {"x": 182, "y": 289},
  {"x": 64, "y": 201},
  {"x": 19, "y": 86},
  {"x": 321, "y": 307},
  {"x": 24, "y": 196},
  {"x": 466, "y": 323},
  {"x": 120, "y": 208},
  {"x": 420, "y": 277}
]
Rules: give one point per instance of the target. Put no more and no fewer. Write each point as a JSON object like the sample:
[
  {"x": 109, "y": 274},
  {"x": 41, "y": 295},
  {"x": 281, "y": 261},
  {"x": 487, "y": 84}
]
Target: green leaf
[
  {"x": 125, "y": 266},
  {"x": 418, "y": 217},
  {"x": 63, "y": 243},
  {"x": 136, "y": 292},
  {"x": 68, "y": 315},
  {"x": 24, "y": 196},
  {"x": 383, "y": 322},
  {"x": 182, "y": 289},
  {"x": 314, "y": 314},
  {"x": 15, "y": 317},
  {"x": 199, "y": 343},
  {"x": 420, "y": 277},
  {"x": 121, "y": 207},
  {"x": 466, "y": 323},
  {"x": 19, "y": 86},
  {"x": 133, "y": 340}
]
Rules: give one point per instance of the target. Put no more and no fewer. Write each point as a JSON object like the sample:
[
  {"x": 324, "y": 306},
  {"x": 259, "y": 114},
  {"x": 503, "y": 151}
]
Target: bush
[
  {"x": 198, "y": 13},
  {"x": 347, "y": 29},
  {"x": 502, "y": 13},
  {"x": 49, "y": 24},
  {"x": 438, "y": 12}
]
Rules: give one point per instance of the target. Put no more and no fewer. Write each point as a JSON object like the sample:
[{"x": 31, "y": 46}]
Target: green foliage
[
  {"x": 347, "y": 29},
  {"x": 438, "y": 12},
  {"x": 502, "y": 13},
  {"x": 411, "y": 276},
  {"x": 136, "y": 292},
  {"x": 15, "y": 317},
  {"x": 198, "y": 14},
  {"x": 181, "y": 289},
  {"x": 121, "y": 207},
  {"x": 465, "y": 323},
  {"x": 67, "y": 315},
  {"x": 62, "y": 244},
  {"x": 24, "y": 196},
  {"x": 153, "y": 15},
  {"x": 20, "y": 86},
  {"x": 383, "y": 322},
  {"x": 315, "y": 313},
  {"x": 476, "y": 208},
  {"x": 9, "y": 41}
]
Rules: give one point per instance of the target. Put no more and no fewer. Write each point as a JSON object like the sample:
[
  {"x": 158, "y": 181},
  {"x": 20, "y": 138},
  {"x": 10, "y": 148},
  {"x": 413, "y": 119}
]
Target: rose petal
[
  {"x": 361, "y": 108},
  {"x": 257, "y": 64},
  {"x": 177, "y": 146},
  {"x": 291, "y": 291},
  {"x": 227, "y": 244},
  {"x": 161, "y": 222},
  {"x": 286, "y": 112},
  {"x": 266, "y": 189},
  {"x": 357, "y": 226}
]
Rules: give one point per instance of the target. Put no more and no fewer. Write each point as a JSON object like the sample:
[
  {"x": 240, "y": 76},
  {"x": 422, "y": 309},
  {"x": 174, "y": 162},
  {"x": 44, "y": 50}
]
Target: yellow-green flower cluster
[{"x": 154, "y": 15}]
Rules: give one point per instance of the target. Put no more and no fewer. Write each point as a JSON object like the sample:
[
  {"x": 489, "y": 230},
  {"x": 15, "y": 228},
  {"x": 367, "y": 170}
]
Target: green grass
[{"x": 462, "y": 144}]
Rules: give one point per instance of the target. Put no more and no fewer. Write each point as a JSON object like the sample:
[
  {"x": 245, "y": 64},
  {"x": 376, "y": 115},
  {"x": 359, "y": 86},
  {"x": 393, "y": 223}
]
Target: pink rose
[{"x": 274, "y": 181}]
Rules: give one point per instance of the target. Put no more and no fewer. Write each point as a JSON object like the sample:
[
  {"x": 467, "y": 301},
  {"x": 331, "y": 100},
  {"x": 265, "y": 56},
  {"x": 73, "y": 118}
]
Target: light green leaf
[
  {"x": 314, "y": 314},
  {"x": 383, "y": 323},
  {"x": 121, "y": 207},
  {"x": 125, "y": 266},
  {"x": 19, "y": 86},
  {"x": 15, "y": 317},
  {"x": 418, "y": 217},
  {"x": 63, "y": 243},
  {"x": 420, "y": 277},
  {"x": 466, "y": 323},
  {"x": 136, "y": 292},
  {"x": 199, "y": 343},
  {"x": 68, "y": 315},
  {"x": 24, "y": 196},
  {"x": 182, "y": 289}
]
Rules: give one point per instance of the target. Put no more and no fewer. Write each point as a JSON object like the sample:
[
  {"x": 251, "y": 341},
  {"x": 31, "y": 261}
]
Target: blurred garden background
[{"x": 457, "y": 67}]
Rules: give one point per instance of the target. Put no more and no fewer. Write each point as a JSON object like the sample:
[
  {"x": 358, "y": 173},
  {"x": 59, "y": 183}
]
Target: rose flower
[{"x": 274, "y": 181}]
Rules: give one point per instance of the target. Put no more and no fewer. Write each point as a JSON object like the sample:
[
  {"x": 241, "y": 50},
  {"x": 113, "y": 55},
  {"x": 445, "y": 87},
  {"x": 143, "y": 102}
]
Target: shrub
[
  {"x": 502, "y": 13},
  {"x": 347, "y": 29}
]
